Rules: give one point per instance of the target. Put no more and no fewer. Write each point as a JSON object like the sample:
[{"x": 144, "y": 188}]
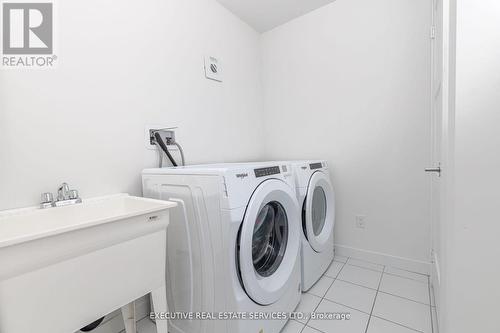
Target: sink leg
[
  {"x": 159, "y": 298},
  {"x": 128, "y": 313}
]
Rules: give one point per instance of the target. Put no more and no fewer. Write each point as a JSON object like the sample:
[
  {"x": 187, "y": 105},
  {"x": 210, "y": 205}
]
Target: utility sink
[{"x": 62, "y": 268}]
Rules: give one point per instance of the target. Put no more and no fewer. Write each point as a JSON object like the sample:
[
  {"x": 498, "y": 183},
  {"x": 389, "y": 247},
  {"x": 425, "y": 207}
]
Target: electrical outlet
[{"x": 361, "y": 221}]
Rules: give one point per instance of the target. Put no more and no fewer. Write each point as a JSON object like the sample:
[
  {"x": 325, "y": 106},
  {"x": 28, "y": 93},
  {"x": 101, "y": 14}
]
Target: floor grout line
[
  {"x": 382, "y": 291},
  {"x": 368, "y": 262},
  {"x": 336, "y": 275},
  {"x": 378, "y": 291},
  {"x": 374, "y": 301},
  {"x": 405, "y": 277},
  {"x": 392, "y": 274},
  {"x": 317, "y": 330},
  {"x": 347, "y": 306},
  {"x": 357, "y": 284},
  {"x": 405, "y": 270},
  {"x": 303, "y": 326},
  {"x": 323, "y": 297},
  {"x": 370, "y": 269},
  {"x": 406, "y": 298},
  {"x": 396, "y": 323}
]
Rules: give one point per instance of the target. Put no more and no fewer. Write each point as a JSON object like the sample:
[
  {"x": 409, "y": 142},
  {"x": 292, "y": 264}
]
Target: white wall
[
  {"x": 350, "y": 82},
  {"x": 473, "y": 272},
  {"x": 351, "y": 77},
  {"x": 124, "y": 64}
]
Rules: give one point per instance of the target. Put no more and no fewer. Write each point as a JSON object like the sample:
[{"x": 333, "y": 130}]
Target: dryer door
[
  {"x": 318, "y": 212},
  {"x": 269, "y": 242}
]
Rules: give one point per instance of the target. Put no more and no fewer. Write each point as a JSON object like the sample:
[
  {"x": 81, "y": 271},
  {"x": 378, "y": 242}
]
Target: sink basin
[
  {"x": 62, "y": 268},
  {"x": 22, "y": 225}
]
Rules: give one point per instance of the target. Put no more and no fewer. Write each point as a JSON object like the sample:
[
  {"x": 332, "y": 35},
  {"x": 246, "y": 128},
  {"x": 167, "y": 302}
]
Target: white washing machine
[
  {"x": 233, "y": 244},
  {"x": 317, "y": 199}
]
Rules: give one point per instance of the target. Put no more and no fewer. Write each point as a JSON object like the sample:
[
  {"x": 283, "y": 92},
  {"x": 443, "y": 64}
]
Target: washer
[
  {"x": 316, "y": 197},
  {"x": 233, "y": 244}
]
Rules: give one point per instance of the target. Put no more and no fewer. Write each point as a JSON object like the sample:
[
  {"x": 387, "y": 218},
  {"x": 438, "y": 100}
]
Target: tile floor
[{"x": 379, "y": 299}]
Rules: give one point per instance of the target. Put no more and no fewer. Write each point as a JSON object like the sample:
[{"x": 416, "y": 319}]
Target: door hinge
[{"x": 433, "y": 32}]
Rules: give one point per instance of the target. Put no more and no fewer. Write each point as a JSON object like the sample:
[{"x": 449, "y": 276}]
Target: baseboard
[
  {"x": 114, "y": 321},
  {"x": 384, "y": 259}
]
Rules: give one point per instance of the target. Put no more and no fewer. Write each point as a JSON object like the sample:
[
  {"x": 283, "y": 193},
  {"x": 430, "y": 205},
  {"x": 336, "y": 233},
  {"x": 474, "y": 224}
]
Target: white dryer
[
  {"x": 317, "y": 199},
  {"x": 233, "y": 245}
]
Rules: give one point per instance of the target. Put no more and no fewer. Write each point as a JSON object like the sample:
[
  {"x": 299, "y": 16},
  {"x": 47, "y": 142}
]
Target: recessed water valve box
[{"x": 167, "y": 134}]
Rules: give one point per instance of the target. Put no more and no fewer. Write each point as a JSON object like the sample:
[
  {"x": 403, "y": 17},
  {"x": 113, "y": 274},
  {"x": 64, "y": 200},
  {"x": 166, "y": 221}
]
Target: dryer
[
  {"x": 233, "y": 245},
  {"x": 316, "y": 198}
]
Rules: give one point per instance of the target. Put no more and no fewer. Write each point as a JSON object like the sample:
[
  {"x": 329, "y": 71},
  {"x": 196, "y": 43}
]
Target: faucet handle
[
  {"x": 47, "y": 198},
  {"x": 73, "y": 194}
]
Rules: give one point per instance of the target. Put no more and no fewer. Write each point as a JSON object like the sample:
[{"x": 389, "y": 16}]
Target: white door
[
  {"x": 318, "y": 212},
  {"x": 269, "y": 242},
  {"x": 437, "y": 111},
  {"x": 440, "y": 134}
]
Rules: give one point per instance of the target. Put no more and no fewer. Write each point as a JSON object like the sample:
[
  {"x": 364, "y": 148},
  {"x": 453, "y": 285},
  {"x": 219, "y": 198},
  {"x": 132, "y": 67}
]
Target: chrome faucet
[
  {"x": 63, "y": 192},
  {"x": 65, "y": 197}
]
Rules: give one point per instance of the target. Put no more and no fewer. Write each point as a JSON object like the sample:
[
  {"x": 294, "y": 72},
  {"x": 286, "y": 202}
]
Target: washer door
[
  {"x": 269, "y": 241},
  {"x": 319, "y": 211}
]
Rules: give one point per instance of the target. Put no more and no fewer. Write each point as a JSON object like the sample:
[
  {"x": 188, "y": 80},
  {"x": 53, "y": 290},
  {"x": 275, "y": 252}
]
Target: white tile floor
[{"x": 379, "y": 299}]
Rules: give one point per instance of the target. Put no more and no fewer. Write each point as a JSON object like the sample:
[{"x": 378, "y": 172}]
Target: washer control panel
[
  {"x": 315, "y": 166},
  {"x": 269, "y": 171}
]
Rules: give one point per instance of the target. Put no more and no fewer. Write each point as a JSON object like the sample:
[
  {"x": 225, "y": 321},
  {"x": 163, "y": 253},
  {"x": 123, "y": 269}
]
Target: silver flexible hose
[
  {"x": 160, "y": 154},
  {"x": 182, "y": 153}
]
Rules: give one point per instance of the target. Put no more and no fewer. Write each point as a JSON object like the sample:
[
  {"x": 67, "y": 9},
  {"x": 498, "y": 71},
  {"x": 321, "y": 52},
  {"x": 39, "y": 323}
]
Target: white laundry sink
[{"x": 62, "y": 268}]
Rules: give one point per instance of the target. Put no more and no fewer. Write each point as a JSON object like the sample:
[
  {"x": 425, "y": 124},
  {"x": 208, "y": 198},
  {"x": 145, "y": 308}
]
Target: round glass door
[
  {"x": 319, "y": 212},
  {"x": 269, "y": 242},
  {"x": 270, "y": 236}
]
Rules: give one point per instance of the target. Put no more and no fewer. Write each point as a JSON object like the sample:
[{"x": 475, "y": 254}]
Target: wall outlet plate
[
  {"x": 213, "y": 69},
  {"x": 361, "y": 221}
]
